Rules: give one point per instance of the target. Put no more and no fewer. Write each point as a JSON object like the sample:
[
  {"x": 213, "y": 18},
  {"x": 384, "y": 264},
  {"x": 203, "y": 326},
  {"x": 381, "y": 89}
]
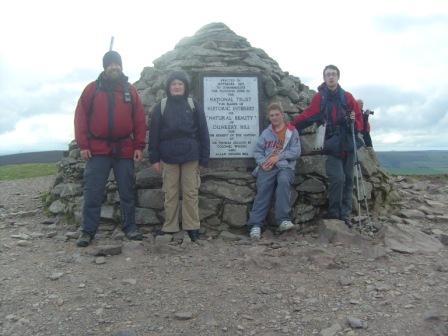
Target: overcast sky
[{"x": 392, "y": 54}]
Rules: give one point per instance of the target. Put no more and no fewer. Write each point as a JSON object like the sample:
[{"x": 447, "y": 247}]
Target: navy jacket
[{"x": 179, "y": 135}]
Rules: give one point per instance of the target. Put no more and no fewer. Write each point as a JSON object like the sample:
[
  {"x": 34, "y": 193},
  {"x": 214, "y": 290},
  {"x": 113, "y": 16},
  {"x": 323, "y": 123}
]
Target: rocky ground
[{"x": 330, "y": 282}]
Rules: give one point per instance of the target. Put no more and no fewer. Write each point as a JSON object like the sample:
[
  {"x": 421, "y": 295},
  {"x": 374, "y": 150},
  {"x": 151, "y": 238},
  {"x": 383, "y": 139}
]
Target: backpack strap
[
  {"x": 342, "y": 100},
  {"x": 127, "y": 98},
  {"x": 163, "y": 105},
  {"x": 193, "y": 110},
  {"x": 90, "y": 110},
  {"x": 191, "y": 103},
  {"x": 164, "y": 100}
]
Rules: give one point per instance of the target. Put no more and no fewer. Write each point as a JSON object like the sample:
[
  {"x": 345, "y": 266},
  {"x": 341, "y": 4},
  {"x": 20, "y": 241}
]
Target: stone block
[
  {"x": 105, "y": 250},
  {"x": 57, "y": 207},
  {"x": 150, "y": 198},
  {"x": 304, "y": 213},
  {"x": 107, "y": 212},
  {"x": 239, "y": 194},
  {"x": 312, "y": 164},
  {"x": 145, "y": 216},
  {"x": 148, "y": 178},
  {"x": 312, "y": 185},
  {"x": 235, "y": 215},
  {"x": 208, "y": 207},
  {"x": 406, "y": 239},
  {"x": 335, "y": 231}
]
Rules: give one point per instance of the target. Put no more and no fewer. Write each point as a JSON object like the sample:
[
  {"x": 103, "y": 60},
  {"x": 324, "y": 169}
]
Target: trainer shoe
[
  {"x": 285, "y": 226},
  {"x": 134, "y": 235},
  {"x": 84, "y": 240},
  {"x": 255, "y": 232}
]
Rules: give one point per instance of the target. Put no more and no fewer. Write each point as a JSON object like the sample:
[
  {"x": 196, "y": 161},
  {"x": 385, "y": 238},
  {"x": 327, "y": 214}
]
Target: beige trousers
[{"x": 183, "y": 177}]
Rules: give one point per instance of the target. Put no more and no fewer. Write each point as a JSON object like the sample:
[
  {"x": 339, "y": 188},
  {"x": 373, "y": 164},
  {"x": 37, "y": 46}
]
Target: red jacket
[
  {"x": 127, "y": 129},
  {"x": 314, "y": 109}
]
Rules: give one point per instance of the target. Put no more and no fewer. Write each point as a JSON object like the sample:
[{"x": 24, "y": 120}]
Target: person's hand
[
  {"x": 157, "y": 167},
  {"x": 138, "y": 155},
  {"x": 85, "y": 154},
  {"x": 270, "y": 162}
]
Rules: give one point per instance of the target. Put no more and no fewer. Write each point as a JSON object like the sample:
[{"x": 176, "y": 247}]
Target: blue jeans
[
  {"x": 266, "y": 183},
  {"x": 95, "y": 178},
  {"x": 340, "y": 189}
]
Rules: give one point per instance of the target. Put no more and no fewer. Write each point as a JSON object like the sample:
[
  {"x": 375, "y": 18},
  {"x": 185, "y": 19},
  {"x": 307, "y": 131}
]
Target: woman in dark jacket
[{"x": 178, "y": 145}]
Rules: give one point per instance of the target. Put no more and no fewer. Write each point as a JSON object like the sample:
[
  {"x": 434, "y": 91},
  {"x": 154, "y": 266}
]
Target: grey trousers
[
  {"x": 266, "y": 183},
  {"x": 340, "y": 190}
]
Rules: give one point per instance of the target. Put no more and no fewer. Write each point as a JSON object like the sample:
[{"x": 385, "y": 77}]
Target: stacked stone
[
  {"x": 227, "y": 190},
  {"x": 216, "y": 49}
]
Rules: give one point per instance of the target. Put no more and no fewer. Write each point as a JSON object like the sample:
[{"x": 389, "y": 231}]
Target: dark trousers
[
  {"x": 367, "y": 139},
  {"x": 340, "y": 189},
  {"x": 95, "y": 178}
]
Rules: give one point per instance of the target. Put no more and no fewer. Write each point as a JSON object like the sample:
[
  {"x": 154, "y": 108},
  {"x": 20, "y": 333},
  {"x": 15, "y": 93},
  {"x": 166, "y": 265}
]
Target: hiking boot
[
  {"x": 285, "y": 226},
  {"x": 193, "y": 234},
  {"x": 330, "y": 216},
  {"x": 134, "y": 235},
  {"x": 255, "y": 232},
  {"x": 348, "y": 222},
  {"x": 84, "y": 240}
]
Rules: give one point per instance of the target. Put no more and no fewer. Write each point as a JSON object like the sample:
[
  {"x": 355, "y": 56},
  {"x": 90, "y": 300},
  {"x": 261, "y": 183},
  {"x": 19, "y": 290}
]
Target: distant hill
[
  {"x": 412, "y": 162},
  {"x": 415, "y": 162},
  {"x": 35, "y": 157}
]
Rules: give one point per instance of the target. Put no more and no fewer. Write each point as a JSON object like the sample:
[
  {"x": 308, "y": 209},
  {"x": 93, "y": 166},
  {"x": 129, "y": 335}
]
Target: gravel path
[{"x": 283, "y": 285}]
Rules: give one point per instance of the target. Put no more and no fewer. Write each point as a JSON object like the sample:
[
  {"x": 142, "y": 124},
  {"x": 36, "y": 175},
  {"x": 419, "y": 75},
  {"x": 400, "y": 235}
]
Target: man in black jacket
[
  {"x": 366, "y": 130},
  {"x": 178, "y": 145}
]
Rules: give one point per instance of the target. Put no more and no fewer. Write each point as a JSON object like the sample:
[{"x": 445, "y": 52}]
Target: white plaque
[{"x": 232, "y": 111}]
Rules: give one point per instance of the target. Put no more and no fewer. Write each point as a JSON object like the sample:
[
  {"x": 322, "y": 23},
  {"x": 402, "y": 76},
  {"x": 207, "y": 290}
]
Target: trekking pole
[
  {"x": 359, "y": 180},
  {"x": 355, "y": 159},
  {"x": 358, "y": 190},
  {"x": 111, "y": 43}
]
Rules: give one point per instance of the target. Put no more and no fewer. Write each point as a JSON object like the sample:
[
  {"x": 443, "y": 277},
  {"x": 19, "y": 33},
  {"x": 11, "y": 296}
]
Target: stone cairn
[{"x": 227, "y": 189}]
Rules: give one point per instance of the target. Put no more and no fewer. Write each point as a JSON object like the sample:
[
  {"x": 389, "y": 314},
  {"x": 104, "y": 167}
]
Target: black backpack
[{"x": 321, "y": 117}]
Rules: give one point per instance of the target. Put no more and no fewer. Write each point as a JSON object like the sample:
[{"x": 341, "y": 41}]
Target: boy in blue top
[{"x": 276, "y": 153}]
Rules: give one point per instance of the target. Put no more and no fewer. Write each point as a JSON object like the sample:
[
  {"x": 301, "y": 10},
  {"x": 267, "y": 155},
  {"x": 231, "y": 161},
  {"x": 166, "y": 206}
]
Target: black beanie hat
[
  {"x": 111, "y": 57},
  {"x": 180, "y": 75}
]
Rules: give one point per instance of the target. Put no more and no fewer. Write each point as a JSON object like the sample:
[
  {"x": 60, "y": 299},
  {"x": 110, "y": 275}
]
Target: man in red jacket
[
  {"x": 110, "y": 130},
  {"x": 338, "y": 110}
]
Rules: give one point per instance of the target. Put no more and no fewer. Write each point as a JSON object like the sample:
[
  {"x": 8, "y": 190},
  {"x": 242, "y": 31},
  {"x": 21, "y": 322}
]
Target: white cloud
[
  {"x": 41, "y": 132},
  {"x": 390, "y": 138},
  {"x": 51, "y": 50}
]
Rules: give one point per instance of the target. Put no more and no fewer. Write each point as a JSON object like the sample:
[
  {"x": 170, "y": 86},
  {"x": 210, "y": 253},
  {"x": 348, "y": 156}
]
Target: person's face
[
  {"x": 276, "y": 118},
  {"x": 361, "y": 104},
  {"x": 331, "y": 78},
  {"x": 177, "y": 88},
  {"x": 113, "y": 71}
]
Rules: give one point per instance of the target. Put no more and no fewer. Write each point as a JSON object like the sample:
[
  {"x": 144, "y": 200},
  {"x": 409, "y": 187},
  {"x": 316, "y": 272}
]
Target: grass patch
[{"x": 26, "y": 170}]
